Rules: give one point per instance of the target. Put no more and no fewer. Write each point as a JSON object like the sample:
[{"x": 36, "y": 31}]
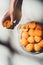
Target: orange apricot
[
  {"x": 7, "y": 24},
  {"x": 37, "y": 47},
  {"x": 38, "y": 32},
  {"x": 31, "y": 39},
  {"x": 31, "y": 32},
  {"x": 38, "y": 27},
  {"x": 37, "y": 39},
  {"x": 29, "y": 47},
  {"x": 24, "y": 27},
  {"x": 24, "y": 42},
  {"x": 25, "y": 35},
  {"x": 4, "y": 24},
  {"x": 41, "y": 43},
  {"x": 32, "y": 25}
]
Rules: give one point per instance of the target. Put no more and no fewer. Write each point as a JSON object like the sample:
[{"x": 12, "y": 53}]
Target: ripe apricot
[
  {"x": 7, "y": 24},
  {"x": 25, "y": 35},
  {"x": 37, "y": 39},
  {"x": 30, "y": 39},
  {"x": 24, "y": 27},
  {"x": 24, "y": 42},
  {"x": 32, "y": 25},
  {"x": 30, "y": 47},
  {"x": 38, "y": 27},
  {"x": 41, "y": 43},
  {"x": 38, "y": 32},
  {"x": 4, "y": 24},
  {"x": 31, "y": 32},
  {"x": 37, "y": 47}
]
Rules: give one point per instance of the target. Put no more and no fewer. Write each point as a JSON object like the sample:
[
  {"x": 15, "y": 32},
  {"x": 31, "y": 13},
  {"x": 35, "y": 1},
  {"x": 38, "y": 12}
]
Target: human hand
[{"x": 11, "y": 14}]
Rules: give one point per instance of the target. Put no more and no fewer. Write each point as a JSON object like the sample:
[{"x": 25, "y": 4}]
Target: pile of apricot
[
  {"x": 7, "y": 24},
  {"x": 31, "y": 36}
]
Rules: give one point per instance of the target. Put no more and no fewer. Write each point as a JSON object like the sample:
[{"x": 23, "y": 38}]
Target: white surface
[
  {"x": 5, "y": 55},
  {"x": 5, "y": 34},
  {"x": 22, "y": 60},
  {"x": 32, "y": 9}
]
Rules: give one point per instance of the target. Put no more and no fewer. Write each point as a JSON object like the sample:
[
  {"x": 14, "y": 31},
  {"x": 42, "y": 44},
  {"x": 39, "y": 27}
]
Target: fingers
[
  {"x": 5, "y": 16},
  {"x": 12, "y": 18}
]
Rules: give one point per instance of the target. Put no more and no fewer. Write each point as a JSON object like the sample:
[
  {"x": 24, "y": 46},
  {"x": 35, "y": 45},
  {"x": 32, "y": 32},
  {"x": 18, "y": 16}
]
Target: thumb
[{"x": 11, "y": 18}]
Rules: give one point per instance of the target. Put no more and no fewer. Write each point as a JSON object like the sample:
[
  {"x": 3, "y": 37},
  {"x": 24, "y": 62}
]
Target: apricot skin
[
  {"x": 30, "y": 47},
  {"x": 24, "y": 42},
  {"x": 7, "y": 24},
  {"x": 38, "y": 27},
  {"x": 32, "y": 25},
  {"x": 37, "y": 39},
  {"x": 31, "y": 39},
  {"x": 41, "y": 43},
  {"x": 31, "y": 32},
  {"x": 25, "y": 35},
  {"x": 38, "y": 33},
  {"x": 24, "y": 27},
  {"x": 37, "y": 47}
]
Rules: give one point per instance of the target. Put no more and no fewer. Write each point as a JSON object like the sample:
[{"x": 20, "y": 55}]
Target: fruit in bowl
[{"x": 31, "y": 36}]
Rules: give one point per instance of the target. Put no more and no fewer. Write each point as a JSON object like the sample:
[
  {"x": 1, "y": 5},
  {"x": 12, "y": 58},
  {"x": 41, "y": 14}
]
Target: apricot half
[
  {"x": 31, "y": 32},
  {"x": 38, "y": 33},
  {"x": 37, "y": 39},
  {"x": 32, "y": 25},
  {"x": 41, "y": 43},
  {"x": 31, "y": 39},
  {"x": 7, "y": 24},
  {"x": 38, "y": 27},
  {"x": 24, "y": 42},
  {"x": 30, "y": 47},
  {"x": 25, "y": 35},
  {"x": 24, "y": 27},
  {"x": 37, "y": 47}
]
